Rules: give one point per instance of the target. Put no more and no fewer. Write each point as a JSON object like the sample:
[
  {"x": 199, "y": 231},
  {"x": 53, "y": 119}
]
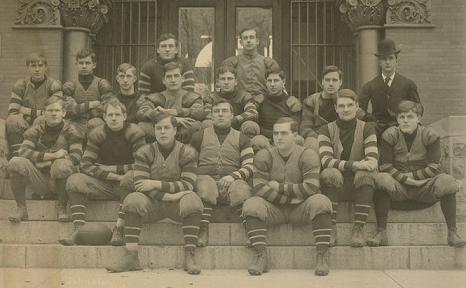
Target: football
[{"x": 94, "y": 233}]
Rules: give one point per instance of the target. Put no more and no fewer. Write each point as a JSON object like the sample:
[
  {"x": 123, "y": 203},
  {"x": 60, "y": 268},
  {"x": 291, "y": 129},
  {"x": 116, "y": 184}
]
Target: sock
[
  {"x": 332, "y": 193},
  {"x": 362, "y": 198},
  {"x": 191, "y": 225},
  {"x": 239, "y": 210},
  {"x": 61, "y": 189},
  {"x": 448, "y": 205},
  {"x": 133, "y": 228},
  {"x": 322, "y": 230},
  {"x": 78, "y": 208},
  {"x": 18, "y": 187},
  {"x": 121, "y": 216},
  {"x": 257, "y": 231},
  {"x": 206, "y": 213},
  {"x": 381, "y": 205},
  {"x": 15, "y": 140}
]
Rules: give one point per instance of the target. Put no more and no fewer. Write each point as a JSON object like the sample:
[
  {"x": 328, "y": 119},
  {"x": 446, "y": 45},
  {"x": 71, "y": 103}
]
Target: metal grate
[
  {"x": 318, "y": 38},
  {"x": 130, "y": 36}
]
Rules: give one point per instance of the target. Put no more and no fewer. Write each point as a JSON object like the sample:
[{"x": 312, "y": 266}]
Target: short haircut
[
  {"x": 330, "y": 69},
  {"x": 249, "y": 29},
  {"x": 165, "y": 37},
  {"x": 125, "y": 67},
  {"x": 278, "y": 71},
  {"x": 36, "y": 57},
  {"x": 84, "y": 53},
  {"x": 164, "y": 115},
  {"x": 347, "y": 93},
  {"x": 406, "y": 106},
  {"x": 224, "y": 69},
  {"x": 221, "y": 101},
  {"x": 55, "y": 100},
  {"x": 293, "y": 125},
  {"x": 115, "y": 103},
  {"x": 171, "y": 66}
]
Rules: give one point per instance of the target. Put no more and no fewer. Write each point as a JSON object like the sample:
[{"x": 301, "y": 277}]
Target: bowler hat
[{"x": 386, "y": 47}]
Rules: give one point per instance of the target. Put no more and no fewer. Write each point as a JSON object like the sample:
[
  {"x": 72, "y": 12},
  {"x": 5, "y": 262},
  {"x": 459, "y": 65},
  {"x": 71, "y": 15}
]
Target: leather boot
[
  {"x": 261, "y": 265},
  {"x": 333, "y": 237},
  {"x": 379, "y": 239},
  {"x": 454, "y": 239},
  {"x": 129, "y": 262},
  {"x": 63, "y": 215},
  {"x": 203, "y": 239},
  {"x": 190, "y": 265},
  {"x": 322, "y": 262},
  {"x": 118, "y": 237},
  {"x": 356, "y": 237},
  {"x": 20, "y": 214},
  {"x": 72, "y": 239}
]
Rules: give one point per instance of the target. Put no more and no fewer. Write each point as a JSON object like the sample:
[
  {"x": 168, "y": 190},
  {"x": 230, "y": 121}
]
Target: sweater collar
[
  {"x": 86, "y": 78},
  {"x": 346, "y": 124},
  {"x": 277, "y": 99}
]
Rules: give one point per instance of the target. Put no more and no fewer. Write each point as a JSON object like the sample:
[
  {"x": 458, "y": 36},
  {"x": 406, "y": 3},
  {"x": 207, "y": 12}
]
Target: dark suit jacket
[{"x": 385, "y": 100}]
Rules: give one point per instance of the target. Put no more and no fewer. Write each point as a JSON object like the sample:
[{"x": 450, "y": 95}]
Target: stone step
[
  {"x": 106, "y": 211},
  {"x": 234, "y": 257},
  {"x": 232, "y": 234}
]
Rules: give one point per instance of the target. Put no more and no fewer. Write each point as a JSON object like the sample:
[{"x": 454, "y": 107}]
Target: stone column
[
  {"x": 365, "y": 18},
  {"x": 76, "y": 38}
]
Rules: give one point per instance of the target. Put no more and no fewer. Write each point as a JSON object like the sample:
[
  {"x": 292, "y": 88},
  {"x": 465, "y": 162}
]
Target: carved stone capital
[
  {"x": 90, "y": 14},
  {"x": 38, "y": 12},
  {"x": 409, "y": 12},
  {"x": 358, "y": 13}
]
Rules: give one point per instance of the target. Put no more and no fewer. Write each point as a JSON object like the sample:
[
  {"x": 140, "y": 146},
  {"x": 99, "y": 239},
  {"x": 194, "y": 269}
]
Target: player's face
[
  {"x": 221, "y": 115},
  {"x": 249, "y": 40},
  {"x": 346, "y": 108},
  {"x": 167, "y": 49},
  {"x": 283, "y": 137},
  {"x": 54, "y": 114},
  {"x": 86, "y": 66},
  {"x": 275, "y": 84},
  {"x": 388, "y": 64},
  {"x": 227, "y": 82},
  {"x": 173, "y": 79},
  {"x": 115, "y": 118},
  {"x": 331, "y": 83},
  {"x": 165, "y": 132},
  {"x": 126, "y": 80},
  {"x": 408, "y": 121},
  {"x": 37, "y": 70}
]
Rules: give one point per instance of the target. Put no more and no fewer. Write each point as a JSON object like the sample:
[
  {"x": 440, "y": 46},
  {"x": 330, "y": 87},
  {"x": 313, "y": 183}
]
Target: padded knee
[
  {"x": 74, "y": 182},
  {"x": 206, "y": 188},
  {"x": 444, "y": 184},
  {"x": 207, "y": 123},
  {"x": 331, "y": 177},
  {"x": 127, "y": 183},
  {"x": 15, "y": 123},
  {"x": 364, "y": 178},
  {"x": 250, "y": 128},
  {"x": 312, "y": 143},
  {"x": 62, "y": 169},
  {"x": 190, "y": 203},
  {"x": 136, "y": 202},
  {"x": 299, "y": 140},
  {"x": 94, "y": 122},
  {"x": 239, "y": 192},
  {"x": 385, "y": 182},
  {"x": 318, "y": 204},
  {"x": 20, "y": 165},
  {"x": 260, "y": 142},
  {"x": 254, "y": 207}
]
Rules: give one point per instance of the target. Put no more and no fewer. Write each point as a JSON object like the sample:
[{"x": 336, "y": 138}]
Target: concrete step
[
  {"x": 234, "y": 257},
  {"x": 232, "y": 234},
  {"x": 107, "y": 211}
]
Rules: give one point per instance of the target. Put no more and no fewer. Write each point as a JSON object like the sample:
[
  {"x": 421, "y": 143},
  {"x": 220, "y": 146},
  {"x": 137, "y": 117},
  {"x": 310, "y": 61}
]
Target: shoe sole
[
  {"x": 66, "y": 243},
  {"x": 16, "y": 220},
  {"x": 118, "y": 243},
  {"x": 321, "y": 273},
  {"x": 357, "y": 245},
  {"x": 110, "y": 270},
  {"x": 375, "y": 244},
  {"x": 458, "y": 245}
]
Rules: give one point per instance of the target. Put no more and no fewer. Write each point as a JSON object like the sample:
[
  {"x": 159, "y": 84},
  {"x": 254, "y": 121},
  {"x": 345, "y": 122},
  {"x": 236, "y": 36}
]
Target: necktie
[{"x": 387, "y": 81}]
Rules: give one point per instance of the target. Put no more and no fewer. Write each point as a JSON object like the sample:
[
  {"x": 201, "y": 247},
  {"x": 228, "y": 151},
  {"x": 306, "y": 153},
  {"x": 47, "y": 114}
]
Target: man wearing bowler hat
[{"x": 387, "y": 90}]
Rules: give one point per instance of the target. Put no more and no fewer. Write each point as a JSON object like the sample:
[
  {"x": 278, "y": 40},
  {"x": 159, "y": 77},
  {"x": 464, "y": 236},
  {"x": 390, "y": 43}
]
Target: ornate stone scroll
[
  {"x": 38, "y": 12},
  {"x": 409, "y": 12},
  {"x": 358, "y": 13}
]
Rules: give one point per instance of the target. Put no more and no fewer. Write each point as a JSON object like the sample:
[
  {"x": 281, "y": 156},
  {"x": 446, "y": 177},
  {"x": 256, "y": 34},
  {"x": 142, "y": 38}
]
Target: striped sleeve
[
  {"x": 73, "y": 108},
  {"x": 27, "y": 148},
  {"x": 370, "y": 144},
  {"x": 188, "y": 163},
  {"x": 89, "y": 159},
  {"x": 307, "y": 120},
  {"x": 262, "y": 165},
  {"x": 310, "y": 167},
  {"x": 250, "y": 109},
  {"x": 147, "y": 110},
  {"x": 144, "y": 81},
  {"x": 188, "y": 76},
  {"x": 386, "y": 160},
  {"x": 76, "y": 144},
  {"x": 16, "y": 99},
  {"x": 247, "y": 157},
  {"x": 193, "y": 106},
  {"x": 326, "y": 152},
  {"x": 433, "y": 167}
]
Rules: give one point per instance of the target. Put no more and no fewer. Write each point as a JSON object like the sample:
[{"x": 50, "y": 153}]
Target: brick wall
[
  {"x": 17, "y": 44},
  {"x": 435, "y": 59}
]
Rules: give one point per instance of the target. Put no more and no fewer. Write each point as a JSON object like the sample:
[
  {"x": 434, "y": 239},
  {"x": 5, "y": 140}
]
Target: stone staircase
[{"x": 417, "y": 239}]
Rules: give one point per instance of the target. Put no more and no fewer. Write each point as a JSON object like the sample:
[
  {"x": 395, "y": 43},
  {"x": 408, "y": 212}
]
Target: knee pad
[
  {"x": 331, "y": 177},
  {"x": 61, "y": 169},
  {"x": 250, "y": 128},
  {"x": 20, "y": 165},
  {"x": 445, "y": 184},
  {"x": 16, "y": 124},
  {"x": 239, "y": 192},
  {"x": 206, "y": 188},
  {"x": 190, "y": 203},
  {"x": 94, "y": 122},
  {"x": 364, "y": 178},
  {"x": 385, "y": 182},
  {"x": 254, "y": 207},
  {"x": 74, "y": 182},
  {"x": 260, "y": 142},
  {"x": 135, "y": 203},
  {"x": 127, "y": 182},
  {"x": 299, "y": 140}
]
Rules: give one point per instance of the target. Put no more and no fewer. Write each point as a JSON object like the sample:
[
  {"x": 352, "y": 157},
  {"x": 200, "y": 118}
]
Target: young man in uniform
[
  {"x": 164, "y": 179},
  {"x": 126, "y": 77},
  {"x": 48, "y": 155},
  {"x": 410, "y": 158},
  {"x": 224, "y": 166},
  {"x": 319, "y": 108},
  {"x": 286, "y": 188},
  {"x": 28, "y": 98},
  {"x": 387, "y": 90},
  {"x": 349, "y": 155},
  {"x": 250, "y": 65},
  {"x": 276, "y": 104},
  {"x": 244, "y": 109},
  {"x": 185, "y": 106},
  {"x": 86, "y": 95},
  {"x": 107, "y": 166},
  {"x": 151, "y": 78}
]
